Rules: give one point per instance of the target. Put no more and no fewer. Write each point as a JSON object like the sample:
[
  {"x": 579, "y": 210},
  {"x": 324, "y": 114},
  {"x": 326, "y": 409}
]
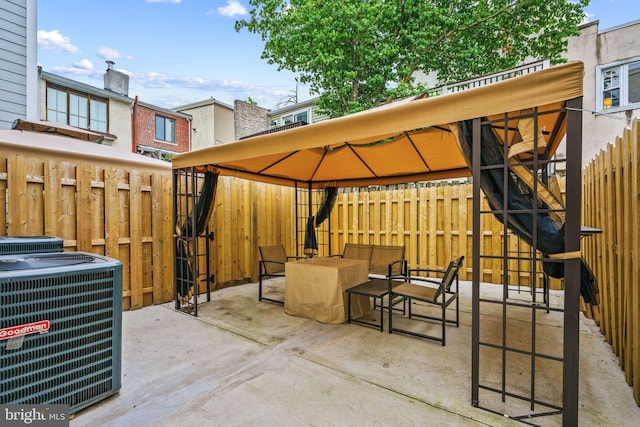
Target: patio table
[{"x": 315, "y": 288}]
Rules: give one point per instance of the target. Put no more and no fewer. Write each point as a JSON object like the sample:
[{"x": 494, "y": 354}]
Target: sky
[{"x": 181, "y": 51}]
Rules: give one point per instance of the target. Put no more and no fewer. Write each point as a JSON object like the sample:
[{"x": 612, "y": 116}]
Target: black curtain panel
[
  {"x": 203, "y": 209},
  {"x": 310, "y": 239},
  {"x": 204, "y": 206}
]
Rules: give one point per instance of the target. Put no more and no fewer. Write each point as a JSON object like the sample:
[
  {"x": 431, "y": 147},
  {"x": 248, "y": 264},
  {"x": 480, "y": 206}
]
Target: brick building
[{"x": 159, "y": 132}]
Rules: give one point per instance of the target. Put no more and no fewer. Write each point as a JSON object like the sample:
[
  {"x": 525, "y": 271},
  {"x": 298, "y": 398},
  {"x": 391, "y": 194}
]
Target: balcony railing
[{"x": 491, "y": 78}]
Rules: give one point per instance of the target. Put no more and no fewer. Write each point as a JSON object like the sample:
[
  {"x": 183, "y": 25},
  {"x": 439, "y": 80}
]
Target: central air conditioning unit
[
  {"x": 13, "y": 245},
  {"x": 60, "y": 329}
]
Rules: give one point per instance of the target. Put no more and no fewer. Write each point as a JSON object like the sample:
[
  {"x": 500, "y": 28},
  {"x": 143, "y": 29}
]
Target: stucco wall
[
  {"x": 224, "y": 127},
  {"x": 203, "y": 132},
  {"x": 120, "y": 124},
  {"x": 212, "y": 123},
  {"x": 596, "y": 47}
]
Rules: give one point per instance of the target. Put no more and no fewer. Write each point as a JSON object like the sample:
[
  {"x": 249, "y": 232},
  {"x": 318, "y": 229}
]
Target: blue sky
[{"x": 182, "y": 51}]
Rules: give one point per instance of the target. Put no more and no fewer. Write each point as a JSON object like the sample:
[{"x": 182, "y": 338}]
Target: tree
[{"x": 357, "y": 54}]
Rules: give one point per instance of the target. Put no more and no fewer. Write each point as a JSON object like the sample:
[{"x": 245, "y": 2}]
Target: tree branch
[{"x": 506, "y": 9}]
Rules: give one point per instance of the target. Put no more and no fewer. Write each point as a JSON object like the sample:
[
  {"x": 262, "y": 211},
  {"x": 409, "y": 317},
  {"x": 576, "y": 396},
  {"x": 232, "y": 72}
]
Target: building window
[
  {"x": 56, "y": 106},
  {"x": 300, "y": 116},
  {"x": 619, "y": 86},
  {"x": 165, "y": 129},
  {"x": 98, "y": 115},
  {"x": 76, "y": 109}
]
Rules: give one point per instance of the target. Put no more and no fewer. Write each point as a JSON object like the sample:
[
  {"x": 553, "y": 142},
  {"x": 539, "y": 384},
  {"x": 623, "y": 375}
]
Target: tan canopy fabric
[{"x": 406, "y": 141}]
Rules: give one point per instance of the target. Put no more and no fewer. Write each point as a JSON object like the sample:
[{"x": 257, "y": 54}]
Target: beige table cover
[{"x": 315, "y": 288}]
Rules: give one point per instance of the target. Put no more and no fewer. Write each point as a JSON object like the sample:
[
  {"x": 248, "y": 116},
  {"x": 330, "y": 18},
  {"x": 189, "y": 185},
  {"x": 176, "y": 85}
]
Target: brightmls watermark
[{"x": 34, "y": 415}]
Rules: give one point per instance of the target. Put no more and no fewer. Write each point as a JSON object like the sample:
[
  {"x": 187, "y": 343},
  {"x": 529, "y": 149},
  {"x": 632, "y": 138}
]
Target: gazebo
[{"x": 504, "y": 135}]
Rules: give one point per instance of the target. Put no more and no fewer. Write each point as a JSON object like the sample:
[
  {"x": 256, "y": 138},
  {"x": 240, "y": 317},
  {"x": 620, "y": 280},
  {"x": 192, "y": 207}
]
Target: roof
[
  {"x": 309, "y": 103},
  {"x": 83, "y": 87},
  {"x": 406, "y": 141},
  {"x": 203, "y": 103},
  {"x": 167, "y": 111}
]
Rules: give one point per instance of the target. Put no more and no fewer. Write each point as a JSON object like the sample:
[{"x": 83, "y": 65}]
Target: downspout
[
  {"x": 190, "y": 130},
  {"x": 134, "y": 144}
]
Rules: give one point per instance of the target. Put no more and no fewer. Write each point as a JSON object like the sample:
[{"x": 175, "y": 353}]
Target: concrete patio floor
[{"x": 245, "y": 363}]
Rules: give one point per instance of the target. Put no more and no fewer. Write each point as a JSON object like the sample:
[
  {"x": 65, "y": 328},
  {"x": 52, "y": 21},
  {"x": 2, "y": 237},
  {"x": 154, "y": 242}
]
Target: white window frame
[
  {"x": 623, "y": 67},
  {"x": 57, "y": 105},
  {"x": 280, "y": 121},
  {"x": 98, "y": 116}
]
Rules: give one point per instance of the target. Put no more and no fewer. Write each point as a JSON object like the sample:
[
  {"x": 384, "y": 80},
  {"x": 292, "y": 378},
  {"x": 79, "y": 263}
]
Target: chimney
[{"x": 115, "y": 81}]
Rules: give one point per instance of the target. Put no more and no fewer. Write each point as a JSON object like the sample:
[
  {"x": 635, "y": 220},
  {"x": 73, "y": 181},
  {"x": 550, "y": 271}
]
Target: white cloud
[
  {"x": 157, "y": 80},
  {"x": 232, "y": 8},
  {"x": 225, "y": 90},
  {"x": 75, "y": 71},
  {"x": 110, "y": 53},
  {"x": 170, "y": 90},
  {"x": 84, "y": 64},
  {"x": 53, "y": 40},
  {"x": 154, "y": 80}
]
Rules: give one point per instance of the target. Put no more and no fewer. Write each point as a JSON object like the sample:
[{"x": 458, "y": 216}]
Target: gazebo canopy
[
  {"x": 405, "y": 141},
  {"x": 424, "y": 139}
]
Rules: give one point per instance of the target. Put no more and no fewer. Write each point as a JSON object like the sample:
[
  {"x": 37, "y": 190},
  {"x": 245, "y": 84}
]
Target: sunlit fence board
[{"x": 611, "y": 202}]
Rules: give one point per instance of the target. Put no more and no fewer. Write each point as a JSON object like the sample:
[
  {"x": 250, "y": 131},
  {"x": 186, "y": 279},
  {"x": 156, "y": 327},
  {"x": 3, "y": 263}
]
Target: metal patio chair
[
  {"x": 271, "y": 265},
  {"x": 417, "y": 287}
]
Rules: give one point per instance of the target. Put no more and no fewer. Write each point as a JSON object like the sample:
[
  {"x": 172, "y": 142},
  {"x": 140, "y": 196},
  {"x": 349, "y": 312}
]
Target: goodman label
[{"x": 26, "y": 329}]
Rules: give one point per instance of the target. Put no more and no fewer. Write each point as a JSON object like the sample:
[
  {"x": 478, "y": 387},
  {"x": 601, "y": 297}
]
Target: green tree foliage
[{"x": 357, "y": 54}]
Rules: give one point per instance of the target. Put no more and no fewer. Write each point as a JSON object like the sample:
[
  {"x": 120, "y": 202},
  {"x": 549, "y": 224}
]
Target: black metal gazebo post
[
  {"x": 570, "y": 371},
  {"x": 571, "y": 260}
]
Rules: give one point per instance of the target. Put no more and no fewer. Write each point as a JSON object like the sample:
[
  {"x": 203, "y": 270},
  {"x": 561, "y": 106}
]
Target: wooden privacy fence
[
  {"x": 433, "y": 221},
  {"x": 98, "y": 200},
  {"x": 611, "y": 202},
  {"x": 246, "y": 215}
]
